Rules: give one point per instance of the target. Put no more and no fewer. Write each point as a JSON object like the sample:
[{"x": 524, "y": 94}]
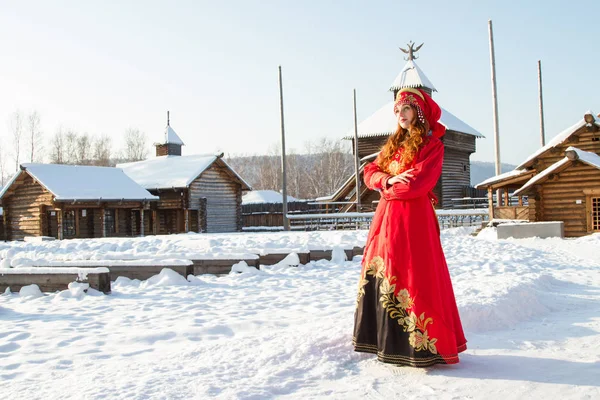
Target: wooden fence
[{"x": 341, "y": 221}]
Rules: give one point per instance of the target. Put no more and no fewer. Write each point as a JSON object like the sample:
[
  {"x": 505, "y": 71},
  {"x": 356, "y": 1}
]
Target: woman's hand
[{"x": 404, "y": 177}]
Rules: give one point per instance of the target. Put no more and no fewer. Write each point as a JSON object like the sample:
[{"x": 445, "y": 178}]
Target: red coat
[{"x": 406, "y": 310}]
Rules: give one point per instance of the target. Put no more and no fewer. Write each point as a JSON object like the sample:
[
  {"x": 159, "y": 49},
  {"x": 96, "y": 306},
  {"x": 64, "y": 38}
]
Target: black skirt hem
[{"x": 401, "y": 360}]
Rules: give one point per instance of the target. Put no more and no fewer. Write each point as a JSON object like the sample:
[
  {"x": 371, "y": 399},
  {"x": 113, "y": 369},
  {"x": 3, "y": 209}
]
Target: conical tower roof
[{"x": 412, "y": 76}]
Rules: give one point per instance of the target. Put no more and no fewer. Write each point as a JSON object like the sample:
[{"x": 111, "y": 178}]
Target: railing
[{"x": 345, "y": 221}]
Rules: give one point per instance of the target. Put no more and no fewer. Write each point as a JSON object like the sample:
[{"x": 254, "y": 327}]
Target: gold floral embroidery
[
  {"x": 399, "y": 306},
  {"x": 394, "y": 167},
  {"x": 376, "y": 268}
]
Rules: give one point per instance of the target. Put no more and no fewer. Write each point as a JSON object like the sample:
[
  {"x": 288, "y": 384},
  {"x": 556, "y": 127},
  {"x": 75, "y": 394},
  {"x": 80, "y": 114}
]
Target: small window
[
  {"x": 109, "y": 221},
  {"x": 464, "y": 167},
  {"x": 596, "y": 139}
]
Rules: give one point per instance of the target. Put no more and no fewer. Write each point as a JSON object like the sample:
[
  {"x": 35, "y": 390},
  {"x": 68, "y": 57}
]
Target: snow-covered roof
[
  {"x": 171, "y": 136},
  {"x": 264, "y": 196},
  {"x": 557, "y": 140},
  {"x": 592, "y": 159},
  {"x": 505, "y": 176},
  {"x": 167, "y": 172},
  {"x": 383, "y": 122},
  {"x": 77, "y": 182},
  {"x": 412, "y": 76},
  {"x": 586, "y": 157}
]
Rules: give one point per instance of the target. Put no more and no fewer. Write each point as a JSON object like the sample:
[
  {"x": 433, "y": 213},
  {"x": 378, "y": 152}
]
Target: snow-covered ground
[{"x": 530, "y": 309}]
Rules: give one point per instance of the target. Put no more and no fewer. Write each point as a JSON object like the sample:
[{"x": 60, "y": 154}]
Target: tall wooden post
[
  {"x": 59, "y": 222},
  {"x": 286, "y": 222},
  {"x": 103, "y": 221},
  {"x": 495, "y": 101},
  {"x": 542, "y": 133},
  {"x": 186, "y": 215},
  {"x": 6, "y": 228},
  {"x": 491, "y": 202},
  {"x": 116, "y": 221},
  {"x": 76, "y": 211},
  {"x": 356, "y": 158},
  {"x": 154, "y": 222},
  {"x": 142, "y": 221}
]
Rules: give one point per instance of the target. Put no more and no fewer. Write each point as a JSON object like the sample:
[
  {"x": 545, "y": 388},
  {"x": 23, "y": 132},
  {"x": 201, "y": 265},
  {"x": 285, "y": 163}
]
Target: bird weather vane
[{"x": 411, "y": 50}]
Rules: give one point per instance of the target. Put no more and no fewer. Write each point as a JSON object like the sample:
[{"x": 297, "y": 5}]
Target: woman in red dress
[{"x": 406, "y": 311}]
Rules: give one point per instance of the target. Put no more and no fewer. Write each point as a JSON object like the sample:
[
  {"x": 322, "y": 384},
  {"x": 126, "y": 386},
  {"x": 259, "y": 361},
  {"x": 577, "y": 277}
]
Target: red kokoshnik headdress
[{"x": 427, "y": 109}]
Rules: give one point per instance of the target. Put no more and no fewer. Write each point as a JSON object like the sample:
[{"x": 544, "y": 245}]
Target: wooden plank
[
  {"x": 51, "y": 282},
  {"x": 220, "y": 266},
  {"x": 141, "y": 272},
  {"x": 274, "y": 258}
]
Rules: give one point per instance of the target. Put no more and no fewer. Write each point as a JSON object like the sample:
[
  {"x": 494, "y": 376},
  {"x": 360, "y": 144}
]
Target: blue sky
[{"x": 101, "y": 67}]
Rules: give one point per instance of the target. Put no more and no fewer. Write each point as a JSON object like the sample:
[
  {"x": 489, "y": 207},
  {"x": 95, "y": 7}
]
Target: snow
[
  {"x": 592, "y": 159},
  {"x": 172, "y": 137},
  {"x": 412, "y": 76},
  {"x": 587, "y": 157},
  {"x": 498, "y": 178},
  {"x": 31, "y": 291},
  {"x": 530, "y": 309},
  {"x": 557, "y": 140},
  {"x": 383, "y": 122},
  {"x": 77, "y": 182},
  {"x": 167, "y": 172},
  {"x": 264, "y": 196}
]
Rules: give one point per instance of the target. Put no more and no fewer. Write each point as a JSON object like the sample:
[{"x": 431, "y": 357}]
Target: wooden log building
[
  {"x": 197, "y": 193},
  {"x": 373, "y": 132},
  {"x": 559, "y": 182},
  {"x": 68, "y": 201}
]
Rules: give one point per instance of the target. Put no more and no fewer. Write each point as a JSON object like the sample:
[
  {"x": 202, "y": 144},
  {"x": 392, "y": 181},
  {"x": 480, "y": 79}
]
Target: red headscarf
[{"x": 427, "y": 109}]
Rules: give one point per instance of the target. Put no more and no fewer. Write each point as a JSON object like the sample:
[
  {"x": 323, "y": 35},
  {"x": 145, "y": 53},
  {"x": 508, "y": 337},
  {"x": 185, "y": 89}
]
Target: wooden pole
[
  {"x": 286, "y": 222},
  {"x": 59, "y": 223},
  {"x": 356, "y": 158},
  {"x": 142, "y": 221},
  {"x": 495, "y": 101},
  {"x": 542, "y": 133}
]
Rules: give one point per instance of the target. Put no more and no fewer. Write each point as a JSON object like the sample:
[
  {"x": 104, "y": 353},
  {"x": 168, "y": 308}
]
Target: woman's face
[{"x": 405, "y": 115}]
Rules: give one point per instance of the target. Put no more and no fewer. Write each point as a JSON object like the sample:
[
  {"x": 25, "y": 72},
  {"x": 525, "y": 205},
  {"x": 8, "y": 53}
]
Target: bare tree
[
  {"x": 102, "y": 151},
  {"x": 34, "y": 135},
  {"x": 57, "y": 147},
  {"x": 16, "y": 127},
  {"x": 70, "y": 146},
  {"x": 135, "y": 145},
  {"x": 84, "y": 152}
]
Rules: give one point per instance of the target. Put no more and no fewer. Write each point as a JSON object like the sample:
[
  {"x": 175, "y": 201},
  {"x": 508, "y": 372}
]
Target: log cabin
[
  {"x": 198, "y": 193},
  {"x": 69, "y": 201},
  {"x": 559, "y": 182},
  {"x": 373, "y": 132}
]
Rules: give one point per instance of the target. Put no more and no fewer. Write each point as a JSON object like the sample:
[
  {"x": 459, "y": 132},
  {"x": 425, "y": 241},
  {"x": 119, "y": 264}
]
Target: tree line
[
  {"x": 319, "y": 171},
  {"x": 29, "y": 144}
]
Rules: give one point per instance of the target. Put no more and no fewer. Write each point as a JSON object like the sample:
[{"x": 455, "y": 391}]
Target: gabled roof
[
  {"x": 168, "y": 172},
  {"x": 514, "y": 176},
  {"x": 383, "y": 122},
  {"x": 558, "y": 140},
  {"x": 77, "y": 182},
  {"x": 172, "y": 137},
  {"x": 573, "y": 154},
  {"x": 412, "y": 76}
]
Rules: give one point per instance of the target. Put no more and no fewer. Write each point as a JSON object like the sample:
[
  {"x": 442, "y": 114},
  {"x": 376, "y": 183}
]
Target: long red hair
[{"x": 409, "y": 140}]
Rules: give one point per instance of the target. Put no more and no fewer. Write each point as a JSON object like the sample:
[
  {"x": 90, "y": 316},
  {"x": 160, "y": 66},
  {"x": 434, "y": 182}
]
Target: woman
[{"x": 406, "y": 312}]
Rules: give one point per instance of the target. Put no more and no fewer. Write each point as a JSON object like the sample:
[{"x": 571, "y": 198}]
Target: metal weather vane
[{"x": 411, "y": 50}]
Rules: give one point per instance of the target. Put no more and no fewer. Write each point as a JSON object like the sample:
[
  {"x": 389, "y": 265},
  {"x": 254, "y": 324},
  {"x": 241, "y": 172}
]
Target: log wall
[
  {"x": 223, "y": 200},
  {"x": 23, "y": 208},
  {"x": 564, "y": 198}
]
